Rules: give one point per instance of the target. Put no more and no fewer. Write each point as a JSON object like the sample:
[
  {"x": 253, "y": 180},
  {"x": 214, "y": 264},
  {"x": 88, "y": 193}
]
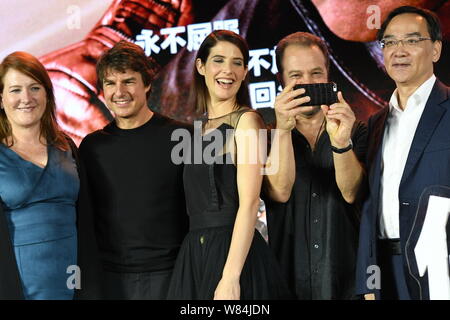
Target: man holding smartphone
[{"x": 312, "y": 219}]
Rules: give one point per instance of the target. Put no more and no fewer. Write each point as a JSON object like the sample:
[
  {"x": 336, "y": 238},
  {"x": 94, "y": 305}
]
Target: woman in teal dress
[{"x": 39, "y": 189}]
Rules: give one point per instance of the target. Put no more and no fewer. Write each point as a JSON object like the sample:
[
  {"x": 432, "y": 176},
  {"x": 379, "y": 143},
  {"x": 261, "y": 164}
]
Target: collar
[{"x": 420, "y": 96}]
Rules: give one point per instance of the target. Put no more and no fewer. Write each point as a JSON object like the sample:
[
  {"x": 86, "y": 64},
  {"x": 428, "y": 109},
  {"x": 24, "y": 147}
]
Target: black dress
[{"x": 212, "y": 203}]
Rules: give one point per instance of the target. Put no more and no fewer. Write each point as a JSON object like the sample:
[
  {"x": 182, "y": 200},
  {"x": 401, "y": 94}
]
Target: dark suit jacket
[
  {"x": 88, "y": 258},
  {"x": 428, "y": 164}
]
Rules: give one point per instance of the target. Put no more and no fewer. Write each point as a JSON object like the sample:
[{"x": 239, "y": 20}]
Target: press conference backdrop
[{"x": 69, "y": 36}]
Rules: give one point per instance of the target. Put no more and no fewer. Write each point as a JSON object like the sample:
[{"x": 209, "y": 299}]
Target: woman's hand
[{"x": 228, "y": 289}]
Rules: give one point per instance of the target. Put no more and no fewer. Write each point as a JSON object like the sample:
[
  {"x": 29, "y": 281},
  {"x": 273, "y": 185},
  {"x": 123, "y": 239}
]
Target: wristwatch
[{"x": 342, "y": 150}]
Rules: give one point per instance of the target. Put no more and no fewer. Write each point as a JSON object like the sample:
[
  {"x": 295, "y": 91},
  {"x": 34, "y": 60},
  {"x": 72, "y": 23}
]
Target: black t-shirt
[{"x": 137, "y": 195}]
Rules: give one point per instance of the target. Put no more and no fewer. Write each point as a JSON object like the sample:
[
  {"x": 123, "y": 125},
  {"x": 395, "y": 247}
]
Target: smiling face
[
  {"x": 410, "y": 66},
  {"x": 223, "y": 71},
  {"x": 304, "y": 64},
  {"x": 23, "y": 99},
  {"x": 125, "y": 94}
]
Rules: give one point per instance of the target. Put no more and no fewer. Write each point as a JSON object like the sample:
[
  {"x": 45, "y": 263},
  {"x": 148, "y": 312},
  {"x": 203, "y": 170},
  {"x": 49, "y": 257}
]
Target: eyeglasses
[{"x": 408, "y": 42}]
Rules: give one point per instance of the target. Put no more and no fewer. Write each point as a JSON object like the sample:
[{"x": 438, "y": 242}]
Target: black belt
[
  {"x": 212, "y": 219},
  {"x": 390, "y": 246}
]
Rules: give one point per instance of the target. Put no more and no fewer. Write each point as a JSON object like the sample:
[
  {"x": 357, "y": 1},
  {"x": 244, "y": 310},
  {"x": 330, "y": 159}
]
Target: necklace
[
  {"x": 318, "y": 134},
  {"x": 224, "y": 115}
]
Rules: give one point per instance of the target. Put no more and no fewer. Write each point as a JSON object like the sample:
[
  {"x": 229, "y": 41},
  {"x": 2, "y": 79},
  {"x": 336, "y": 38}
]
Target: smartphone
[{"x": 320, "y": 93}]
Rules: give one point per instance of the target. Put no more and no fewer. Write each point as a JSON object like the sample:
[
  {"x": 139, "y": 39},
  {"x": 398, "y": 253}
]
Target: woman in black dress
[{"x": 222, "y": 257}]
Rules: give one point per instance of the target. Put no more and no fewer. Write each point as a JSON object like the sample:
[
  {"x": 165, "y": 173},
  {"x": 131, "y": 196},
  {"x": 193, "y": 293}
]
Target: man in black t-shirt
[
  {"x": 312, "y": 224},
  {"x": 136, "y": 188}
]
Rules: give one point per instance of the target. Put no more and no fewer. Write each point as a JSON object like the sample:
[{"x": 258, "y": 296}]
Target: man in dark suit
[{"x": 409, "y": 150}]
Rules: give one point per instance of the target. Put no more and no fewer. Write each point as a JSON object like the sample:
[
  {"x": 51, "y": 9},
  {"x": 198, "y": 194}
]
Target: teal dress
[{"x": 39, "y": 204}]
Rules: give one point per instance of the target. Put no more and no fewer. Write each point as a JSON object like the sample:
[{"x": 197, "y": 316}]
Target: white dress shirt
[{"x": 399, "y": 132}]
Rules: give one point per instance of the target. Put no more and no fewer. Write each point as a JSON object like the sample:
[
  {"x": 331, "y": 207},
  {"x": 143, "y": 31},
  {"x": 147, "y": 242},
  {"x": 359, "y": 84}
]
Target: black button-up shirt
[{"x": 315, "y": 234}]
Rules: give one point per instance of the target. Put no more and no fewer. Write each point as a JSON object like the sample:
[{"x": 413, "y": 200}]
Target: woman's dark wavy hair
[
  {"x": 30, "y": 66},
  {"x": 200, "y": 92}
]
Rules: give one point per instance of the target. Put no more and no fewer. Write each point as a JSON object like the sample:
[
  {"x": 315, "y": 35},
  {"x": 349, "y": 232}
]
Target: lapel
[
  {"x": 373, "y": 161},
  {"x": 374, "y": 151},
  {"x": 432, "y": 115}
]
